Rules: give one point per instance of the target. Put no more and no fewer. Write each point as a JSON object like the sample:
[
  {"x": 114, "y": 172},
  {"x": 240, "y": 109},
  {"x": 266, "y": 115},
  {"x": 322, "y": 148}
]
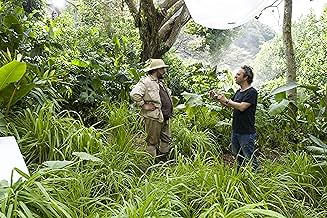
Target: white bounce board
[
  {"x": 225, "y": 14},
  {"x": 10, "y": 158}
]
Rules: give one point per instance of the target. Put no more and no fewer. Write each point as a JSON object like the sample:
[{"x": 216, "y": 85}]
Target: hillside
[{"x": 243, "y": 47}]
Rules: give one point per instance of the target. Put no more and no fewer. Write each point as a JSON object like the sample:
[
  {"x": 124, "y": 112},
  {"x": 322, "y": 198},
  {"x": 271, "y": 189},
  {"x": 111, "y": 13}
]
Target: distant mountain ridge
[{"x": 242, "y": 50}]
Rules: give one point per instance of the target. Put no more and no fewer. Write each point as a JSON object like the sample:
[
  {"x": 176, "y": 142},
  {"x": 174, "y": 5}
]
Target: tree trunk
[
  {"x": 289, "y": 51},
  {"x": 158, "y": 25}
]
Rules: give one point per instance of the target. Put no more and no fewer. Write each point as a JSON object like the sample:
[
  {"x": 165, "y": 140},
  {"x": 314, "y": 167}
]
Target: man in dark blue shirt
[{"x": 244, "y": 103}]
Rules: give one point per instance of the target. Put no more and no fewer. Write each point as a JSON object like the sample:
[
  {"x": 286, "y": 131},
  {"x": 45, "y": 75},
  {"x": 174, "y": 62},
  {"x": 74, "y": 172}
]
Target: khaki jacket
[{"x": 147, "y": 91}]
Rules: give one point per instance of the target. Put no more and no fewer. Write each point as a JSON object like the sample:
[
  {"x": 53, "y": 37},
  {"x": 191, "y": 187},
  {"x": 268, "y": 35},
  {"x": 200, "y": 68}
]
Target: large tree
[{"x": 159, "y": 24}]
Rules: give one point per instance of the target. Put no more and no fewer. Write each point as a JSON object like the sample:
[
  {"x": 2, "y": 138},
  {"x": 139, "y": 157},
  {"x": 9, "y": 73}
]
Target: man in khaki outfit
[{"x": 153, "y": 96}]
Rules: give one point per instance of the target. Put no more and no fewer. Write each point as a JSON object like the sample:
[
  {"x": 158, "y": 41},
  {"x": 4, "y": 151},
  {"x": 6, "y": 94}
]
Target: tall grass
[
  {"x": 126, "y": 183},
  {"x": 189, "y": 140},
  {"x": 198, "y": 187},
  {"x": 31, "y": 198},
  {"x": 43, "y": 135}
]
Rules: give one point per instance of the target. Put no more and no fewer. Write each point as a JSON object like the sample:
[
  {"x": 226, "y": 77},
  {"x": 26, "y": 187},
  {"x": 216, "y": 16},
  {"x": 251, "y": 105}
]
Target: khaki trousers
[{"x": 157, "y": 134}]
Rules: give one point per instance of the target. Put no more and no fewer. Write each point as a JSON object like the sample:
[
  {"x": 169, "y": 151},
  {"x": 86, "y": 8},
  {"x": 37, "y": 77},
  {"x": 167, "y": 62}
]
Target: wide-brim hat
[{"x": 155, "y": 64}]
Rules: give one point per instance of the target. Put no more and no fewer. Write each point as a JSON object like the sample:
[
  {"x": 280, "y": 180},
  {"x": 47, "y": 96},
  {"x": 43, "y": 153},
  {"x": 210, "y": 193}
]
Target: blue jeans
[{"x": 243, "y": 149}]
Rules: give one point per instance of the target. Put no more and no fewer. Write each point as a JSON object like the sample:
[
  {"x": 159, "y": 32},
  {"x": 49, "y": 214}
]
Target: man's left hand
[{"x": 221, "y": 98}]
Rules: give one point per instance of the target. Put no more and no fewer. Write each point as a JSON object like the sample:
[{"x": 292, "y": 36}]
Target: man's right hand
[{"x": 149, "y": 107}]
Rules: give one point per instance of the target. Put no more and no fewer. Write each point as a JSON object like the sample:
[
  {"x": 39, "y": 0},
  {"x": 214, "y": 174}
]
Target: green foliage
[
  {"x": 31, "y": 198},
  {"x": 11, "y": 73},
  {"x": 270, "y": 62},
  {"x": 308, "y": 34},
  {"x": 272, "y": 112},
  {"x": 97, "y": 61},
  {"x": 45, "y": 135},
  {"x": 35, "y": 86},
  {"x": 92, "y": 162},
  {"x": 11, "y": 24},
  {"x": 115, "y": 177},
  {"x": 196, "y": 78},
  {"x": 319, "y": 149},
  {"x": 24, "y": 28},
  {"x": 88, "y": 50},
  {"x": 189, "y": 140},
  {"x": 10, "y": 91}
]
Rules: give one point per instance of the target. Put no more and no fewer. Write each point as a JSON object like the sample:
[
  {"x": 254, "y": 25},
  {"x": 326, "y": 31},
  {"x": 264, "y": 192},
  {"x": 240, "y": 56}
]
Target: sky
[{"x": 273, "y": 17}]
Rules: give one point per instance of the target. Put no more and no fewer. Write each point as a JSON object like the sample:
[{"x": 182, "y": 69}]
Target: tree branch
[
  {"x": 172, "y": 12},
  {"x": 147, "y": 7},
  {"x": 168, "y": 4},
  {"x": 169, "y": 32},
  {"x": 132, "y": 8}
]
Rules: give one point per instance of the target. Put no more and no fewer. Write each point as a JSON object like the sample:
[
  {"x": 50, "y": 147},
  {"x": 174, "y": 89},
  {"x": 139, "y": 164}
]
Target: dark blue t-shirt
[{"x": 243, "y": 122}]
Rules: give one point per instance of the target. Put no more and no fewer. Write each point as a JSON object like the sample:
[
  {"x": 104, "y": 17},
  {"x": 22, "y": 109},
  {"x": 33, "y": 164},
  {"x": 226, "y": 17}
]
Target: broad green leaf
[
  {"x": 4, "y": 184},
  {"x": 22, "y": 92},
  {"x": 80, "y": 63},
  {"x": 10, "y": 20},
  {"x": 19, "y": 93},
  {"x": 280, "y": 96},
  {"x": 175, "y": 100},
  {"x": 57, "y": 164},
  {"x": 118, "y": 61},
  {"x": 188, "y": 95},
  {"x": 278, "y": 107},
  {"x": 316, "y": 150},
  {"x": 180, "y": 107},
  {"x": 106, "y": 76},
  {"x": 318, "y": 141},
  {"x": 93, "y": 31},
  {"x": 87, "y": 97},
  {"x": 116, "y": 41},
  {"x": 213, "y": 107},
  {"x": 320, "y": 157},
  {"x": 135, "y": 74},
  {"x": 122, "y": 77},
  {"x": 321, "y": 164},
  {"x": 192, "y": 99},
  {"x": 6, "y": 93},
  {"x": 96, "y": 84},
  {"x": 11, "y": 72},
  {"x": 86, "y": 156},
  {"x": 284, "y": 88}
]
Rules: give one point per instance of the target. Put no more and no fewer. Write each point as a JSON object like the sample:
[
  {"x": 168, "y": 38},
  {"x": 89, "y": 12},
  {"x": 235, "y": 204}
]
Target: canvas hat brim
[{"x": 154, "y": 68}]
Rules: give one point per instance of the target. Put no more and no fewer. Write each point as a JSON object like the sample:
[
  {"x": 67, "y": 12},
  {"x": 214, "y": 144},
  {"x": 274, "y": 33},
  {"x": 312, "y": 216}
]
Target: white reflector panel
[
  {"x": 225, "y": 14},
  {"x": 10, "y": 157}
]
